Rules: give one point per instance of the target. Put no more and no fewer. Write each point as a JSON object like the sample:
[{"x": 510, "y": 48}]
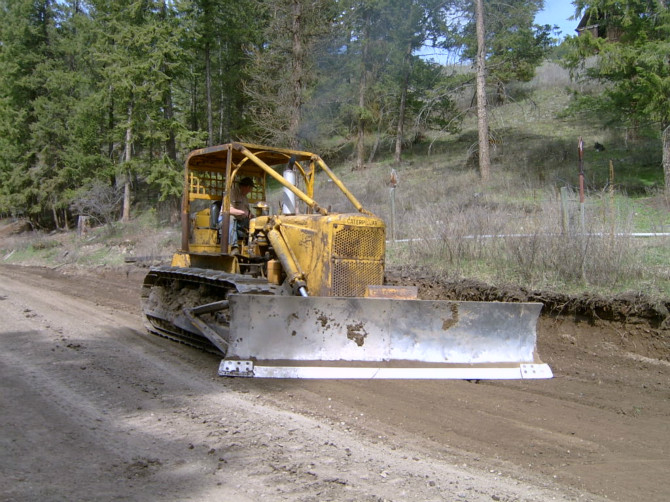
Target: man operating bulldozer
[{"x": 239, "y": 209}]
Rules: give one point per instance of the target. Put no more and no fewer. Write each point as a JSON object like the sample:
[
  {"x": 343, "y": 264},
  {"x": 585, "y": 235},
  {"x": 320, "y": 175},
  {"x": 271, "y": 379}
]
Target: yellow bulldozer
[{"x": 300, "y": 293}]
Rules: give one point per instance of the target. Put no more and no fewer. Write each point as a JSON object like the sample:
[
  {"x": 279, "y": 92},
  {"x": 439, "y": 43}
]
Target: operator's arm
[
  {"x": 239, "y": 200},
  {"x": 238, "y": 212}
]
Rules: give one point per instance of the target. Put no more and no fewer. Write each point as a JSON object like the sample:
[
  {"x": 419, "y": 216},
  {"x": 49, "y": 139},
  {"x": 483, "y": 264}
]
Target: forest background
[{"x": 101, "y": 100}]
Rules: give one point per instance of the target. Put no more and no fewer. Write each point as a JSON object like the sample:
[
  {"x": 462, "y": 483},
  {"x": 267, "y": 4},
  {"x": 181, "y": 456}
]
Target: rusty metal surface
[
  {"x": 164, "y": 299},
  {"x": 377, "y": 329},
  {"x": 399, "y": 292},
  {"x": 216, "y": 278}
]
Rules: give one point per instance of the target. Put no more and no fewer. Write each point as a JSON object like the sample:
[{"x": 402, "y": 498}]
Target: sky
[{"x": 557, "y": 12}]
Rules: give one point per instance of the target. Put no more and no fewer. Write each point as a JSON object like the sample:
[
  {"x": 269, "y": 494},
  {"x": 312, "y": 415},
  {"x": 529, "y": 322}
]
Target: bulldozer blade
[{"x": 323, "y": 337}]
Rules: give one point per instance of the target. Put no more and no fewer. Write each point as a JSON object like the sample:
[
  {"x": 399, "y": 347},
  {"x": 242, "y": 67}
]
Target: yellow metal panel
[
  {"x": 204, "y": 248},
  {"x": 181, "y": 260},
  {"x": 202, "y": 218},
  {"x": 338, "y": 255},
  {"x": 204, "y": 238}
]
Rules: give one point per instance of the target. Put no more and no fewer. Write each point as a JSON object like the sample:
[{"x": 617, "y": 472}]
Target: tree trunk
[
  {"x": 110, "y": 121},
  {"x": 168, "y": 111},
  {"x": 55, "y": 215},
  {"x": 482, "y": 118},
  {"x": 224, "y": 108},
  {"x": 666, "y": 160},
  {"x": 403, "y": 104},
  {"x": 128, "y": 157},
  {"x": 378, "y": 136},
  {"x": 126, "y": 197},
  {"x": 170, "y": 142},
  {"x": 400, "y": 129},
  {"x": 296, "y": 75},
  {"x": 194, "y": 105},
  {"x": 208, "y": 86},
  {"x": 362, "y": 86},
  {"x": 360, "y": 141}
]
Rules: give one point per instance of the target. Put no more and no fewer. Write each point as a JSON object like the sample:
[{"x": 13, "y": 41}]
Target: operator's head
[{"x": 247, "y": 183}]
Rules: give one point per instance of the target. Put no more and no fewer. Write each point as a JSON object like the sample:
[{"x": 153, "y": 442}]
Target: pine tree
[
  {"x": 505, "y": 44},
  {"x": 632, "y": 57},
  {"x": 282, "y": 70},
  {"x": 222, "y": 35},
  {"x": 23, "y": 37},
  {"x": 139, "y": 50}
]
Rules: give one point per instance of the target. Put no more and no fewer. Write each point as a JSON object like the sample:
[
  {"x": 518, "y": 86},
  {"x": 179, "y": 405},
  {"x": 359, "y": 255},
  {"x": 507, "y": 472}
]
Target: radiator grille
[
  {"x": 350, "y": 277},
  {"x": 359, "y": 243}
]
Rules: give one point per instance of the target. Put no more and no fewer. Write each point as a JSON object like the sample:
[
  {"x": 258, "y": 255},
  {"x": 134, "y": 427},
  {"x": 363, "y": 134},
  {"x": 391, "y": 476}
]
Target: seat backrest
[{"x": 214, "y": 211}]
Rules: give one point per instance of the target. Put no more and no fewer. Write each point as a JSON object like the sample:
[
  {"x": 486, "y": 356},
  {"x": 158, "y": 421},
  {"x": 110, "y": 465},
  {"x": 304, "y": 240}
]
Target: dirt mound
[
  {"x": 8, "y": 228},
  {"x": 644, "y": 323},
  {"x": 625, "y": 307}
]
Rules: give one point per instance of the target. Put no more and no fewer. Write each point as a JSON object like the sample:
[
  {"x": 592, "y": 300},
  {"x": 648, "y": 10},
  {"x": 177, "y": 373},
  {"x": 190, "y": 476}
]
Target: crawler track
[{"x": 167, "y": 291}]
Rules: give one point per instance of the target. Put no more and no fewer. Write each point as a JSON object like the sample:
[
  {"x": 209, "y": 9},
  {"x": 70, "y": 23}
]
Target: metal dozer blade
[{"x": 332, "y": 337}]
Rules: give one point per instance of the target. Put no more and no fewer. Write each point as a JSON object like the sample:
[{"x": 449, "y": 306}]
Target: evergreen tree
[
  {"x": 368, "y": 25},
  {"x": 282, "y": 70},
  {"x": 414, "y": 23},
  {"x": 514, "y": 45},
  {"x": 632, "y": 57},
  {"x": 68, "y": 119},
  {"x": 139, "y": 50},
  {"x": 220, "y": 40},
  {"x": 505, "y": 45},
  {"x": 25, "y": 31},
  {"x": 115, "y": 92},
  {"x": 165, "y": 133},
  {"x": 374, "y": 83}
]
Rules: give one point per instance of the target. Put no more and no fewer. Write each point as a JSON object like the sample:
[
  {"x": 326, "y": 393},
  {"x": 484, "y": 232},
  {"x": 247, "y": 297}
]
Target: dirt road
[{"x": 93, "y": 408}]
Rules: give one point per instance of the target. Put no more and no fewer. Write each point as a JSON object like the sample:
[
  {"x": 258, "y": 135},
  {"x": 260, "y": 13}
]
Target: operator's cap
[{"x": 246, "y": 182}]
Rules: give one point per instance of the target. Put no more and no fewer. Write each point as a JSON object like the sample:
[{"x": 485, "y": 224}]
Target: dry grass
[
  {"x": 516, "y": 229},
  {"x": 109, "y": 245},
  {"x": 536, "y": 241}
]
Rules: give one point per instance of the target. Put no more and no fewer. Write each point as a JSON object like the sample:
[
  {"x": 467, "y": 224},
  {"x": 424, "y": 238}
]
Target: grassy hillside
[
  {"x": 533, "y": 195},
  {"x": 447, "y": 221}
]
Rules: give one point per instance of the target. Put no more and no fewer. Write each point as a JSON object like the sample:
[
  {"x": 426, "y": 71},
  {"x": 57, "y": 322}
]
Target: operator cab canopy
[
  {"x": 215, "y": 158},
  {"x": 215, "y": 169}
]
